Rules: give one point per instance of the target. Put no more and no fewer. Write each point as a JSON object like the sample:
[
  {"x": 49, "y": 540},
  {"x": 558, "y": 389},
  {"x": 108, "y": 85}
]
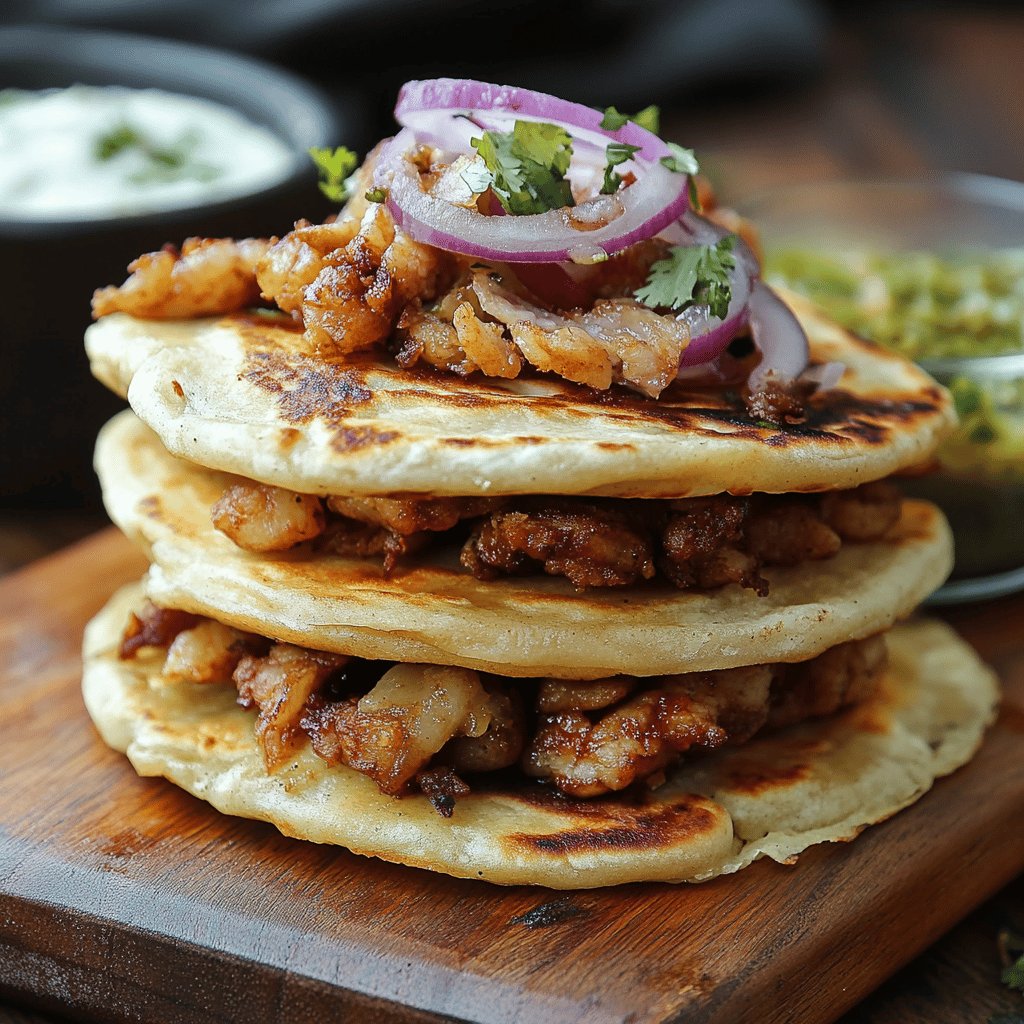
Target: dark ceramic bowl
[{"x": 51, "y": 406}]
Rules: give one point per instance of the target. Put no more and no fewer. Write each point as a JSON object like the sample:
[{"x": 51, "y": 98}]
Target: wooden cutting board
[{"x": 125, "y": 899}]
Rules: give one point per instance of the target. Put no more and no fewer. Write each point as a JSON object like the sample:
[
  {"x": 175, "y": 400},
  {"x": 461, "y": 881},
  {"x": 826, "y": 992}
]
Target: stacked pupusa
[
  {"x": 411, "y": 596},
  {"x": 603, "y": 692}
]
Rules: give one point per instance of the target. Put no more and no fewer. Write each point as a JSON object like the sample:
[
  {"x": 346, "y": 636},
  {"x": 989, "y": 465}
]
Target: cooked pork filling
[
  {"x": 693, "y": 543},
  {"x": 428, "y": 728}
]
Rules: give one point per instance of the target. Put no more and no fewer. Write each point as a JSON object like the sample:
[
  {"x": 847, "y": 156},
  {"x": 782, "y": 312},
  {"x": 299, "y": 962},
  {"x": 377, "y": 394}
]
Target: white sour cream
[{"x": 90, "y": 152}]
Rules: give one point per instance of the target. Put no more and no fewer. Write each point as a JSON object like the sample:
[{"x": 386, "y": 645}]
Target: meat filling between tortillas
[{"x": 429, "y": 728}]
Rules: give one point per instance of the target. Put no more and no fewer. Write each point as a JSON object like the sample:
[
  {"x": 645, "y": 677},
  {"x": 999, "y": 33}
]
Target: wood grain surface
[{"x": 127, "y": 899}]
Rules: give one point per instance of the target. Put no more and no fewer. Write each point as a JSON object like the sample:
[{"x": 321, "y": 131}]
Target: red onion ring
[
  {"x": 423, "y": 105},
  {"x": 428, "y": 110},
  {"x": 779, "y": 337}
]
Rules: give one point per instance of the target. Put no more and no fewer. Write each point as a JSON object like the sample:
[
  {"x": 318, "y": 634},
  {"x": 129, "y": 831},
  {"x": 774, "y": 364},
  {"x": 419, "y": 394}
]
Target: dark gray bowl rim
[
  {"x": 965, "y": 184},
  {"x": 318, "y": 120}
]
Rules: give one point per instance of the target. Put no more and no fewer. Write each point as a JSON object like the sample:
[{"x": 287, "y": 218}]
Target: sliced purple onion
[
  {"x": 447, "y": 113},
  {"x": 457, "y": 107},
  {"x": 825, "y": 377},
  {"x": 656, "y": 199},
  {"x": 779, "y": 337}
]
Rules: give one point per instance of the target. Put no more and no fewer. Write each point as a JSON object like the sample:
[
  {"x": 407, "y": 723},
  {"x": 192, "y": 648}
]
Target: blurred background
[{"x": 768, "y": 92}]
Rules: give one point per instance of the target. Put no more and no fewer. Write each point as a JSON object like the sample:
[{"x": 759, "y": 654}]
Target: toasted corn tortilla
[
  {"x": 434, "y": 611},
  {"x": 819, "y": 782},
  {"x": 238, "y": 394}
]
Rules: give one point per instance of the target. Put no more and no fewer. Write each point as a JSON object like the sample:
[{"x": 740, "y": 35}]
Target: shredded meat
[
  {"x": 865, "y": 513},
  {"x": 290, "y": 266},
  {"x": 351, "y": 538},
  {"x": 776, "y": 402},
  {"x": 501, "y": 743},
  {"x": 556, "y": 695},
  {"x": 591, "y": 546},
  {"x": 483, "y": 324},
  {"x": 649, "y": 731},
  {"x": 279, "y": 684},
  {"x": 442, "y": 787},
  {"x": 787, "y": 532},
  {"x": 702, "y": 545},
  {"x": 153, "y": 627},
  {"x": 426, "y": 726},
  {"x": 410, "y": 515},
  {"x": 208, "y": 653},
  {"x": 456, "y": 335},
  {"x": 844, "y": 675},
  {"x": 698, "y": 542},
  {"x": 208, "y": 276},
  {"x": 652, "y": 729},
  {"x": 258, "y": 517},
  {"x": 362, "y": 288},
  {"x": 617, "y": 340},
  {"x": 392, "y": 732},
  {"x": 694, "y": 542}
]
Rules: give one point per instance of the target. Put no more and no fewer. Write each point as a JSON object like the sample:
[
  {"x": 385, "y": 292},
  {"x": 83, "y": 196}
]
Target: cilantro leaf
[
  {"x": 613, "y": 120},
  {"x": 682, "y": 161},
  {"x": 615, "y": 153},
  {"x": 117, "y": 140},
  {"x": 648, "y": 118},
  {"x": 691, "y": 276},
  {"x": 477, "y": 177},
  {"x": 335, "y": 166},
  {"x": 125, "y": 136},
  {"x": 527, "y": 166}
]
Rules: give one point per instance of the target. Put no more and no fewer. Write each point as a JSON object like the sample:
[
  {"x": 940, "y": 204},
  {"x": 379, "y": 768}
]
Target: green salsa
[{"x": 920, "y": 304}]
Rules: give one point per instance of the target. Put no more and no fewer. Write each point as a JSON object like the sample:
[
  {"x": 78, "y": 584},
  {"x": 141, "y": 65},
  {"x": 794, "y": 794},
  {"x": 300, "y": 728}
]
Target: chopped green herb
[
  {"x": 613, "y": 120},
  {"x": 691, "y": 275},
  {"x": 335, "y": 166},
  {"x": 682, "y": 160},
  {"x": 648, "y": 118},
  {"x": 615, "y": 153},
  {"x": 477, "y": 177},
  {"x": 175, "y": 172},
  {"x": 124, "y": 137},
  {"x": 163, "y": 163},
  {"x": 376, "y": 195},
  {"x": 117, "y": 140},
  {"x": 1011, "y": 950},
  {"x": 527, "y": 166}
]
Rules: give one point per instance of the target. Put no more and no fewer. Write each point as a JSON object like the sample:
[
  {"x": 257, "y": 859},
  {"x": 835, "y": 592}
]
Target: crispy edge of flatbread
[
  {"x": 774, "y": 797},
  {"x": 240, "y": 395}
]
